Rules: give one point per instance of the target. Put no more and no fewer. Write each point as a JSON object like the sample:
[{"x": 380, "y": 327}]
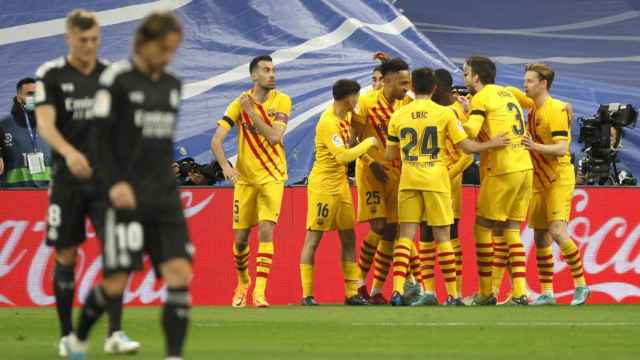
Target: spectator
[{"x": 25, "y": 159}]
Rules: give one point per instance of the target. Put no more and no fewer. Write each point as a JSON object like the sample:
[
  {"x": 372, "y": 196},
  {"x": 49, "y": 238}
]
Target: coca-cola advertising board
[{"x": 605, "y": 224}]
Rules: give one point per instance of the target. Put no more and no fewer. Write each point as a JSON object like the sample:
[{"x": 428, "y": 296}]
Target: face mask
[{"x": 29, "y": 103}]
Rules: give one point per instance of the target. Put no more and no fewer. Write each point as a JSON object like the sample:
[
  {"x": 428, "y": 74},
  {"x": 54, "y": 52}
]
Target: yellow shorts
[
  {"x": 377, "y": 200},
  {"x": 417, "y": 206},
  {"x": 505, "y": 197},
  {"x": 255, "y": 203},
  {"x": 326, "y": 212},
  {"x": 456, "y": 195},
  {"x": 553, "y": 203}
]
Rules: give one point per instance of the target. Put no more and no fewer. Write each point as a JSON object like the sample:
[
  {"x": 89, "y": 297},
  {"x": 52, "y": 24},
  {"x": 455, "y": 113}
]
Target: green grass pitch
[{"x": 602, "y": 332}]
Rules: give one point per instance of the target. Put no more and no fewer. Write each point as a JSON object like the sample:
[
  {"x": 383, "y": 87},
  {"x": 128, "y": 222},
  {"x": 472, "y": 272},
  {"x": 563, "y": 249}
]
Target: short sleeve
[
  {"x": 524, "y": 101},
  {"x": 477, "y": 116},
  {"x": 46, "y": 89},
  {"x": 559, "y": 123},
  {"x": 455, "y": 131},
  {"x": 283, "y": 110},
  {"x": 392, "y": 130},
  {"x": 361, "y": 111},
  {"x": 231, "y": 115}
]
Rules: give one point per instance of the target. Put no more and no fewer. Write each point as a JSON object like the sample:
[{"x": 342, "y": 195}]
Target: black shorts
[
  {"x": 69, "y": 206},
  {"x": 127, "y": 237}
]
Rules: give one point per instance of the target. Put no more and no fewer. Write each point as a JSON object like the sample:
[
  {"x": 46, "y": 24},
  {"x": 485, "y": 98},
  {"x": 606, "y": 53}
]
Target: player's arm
[
  {"x": 108, "y": 101},
  {"x": 358, "y": 125},
  {"x": 463, "y": 162},
  {"x": 224, "y": 127},
  {"x": 559, "y": 124},
  {"x": 330, "y": 137},
  {"x": 477, "y": 117},
  {"x": 460, "y": 138},
  {"x": 524, "y": 101},
  {"x": 392, "y": 152},
  {"x": 273, "y": 133},
  {"x": 46, "y": 118}
]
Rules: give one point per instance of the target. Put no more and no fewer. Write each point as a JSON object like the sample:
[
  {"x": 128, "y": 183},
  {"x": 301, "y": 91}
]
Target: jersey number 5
[
  {"x": 518, "y": 129},
  {"x": 428, "y": 142}
]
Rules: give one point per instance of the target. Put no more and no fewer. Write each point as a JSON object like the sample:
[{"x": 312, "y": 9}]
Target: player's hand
[
  {"x": 231, "y": 174},
  {"x": 247, "y": 102},
  {"x": 528, "y": 142},
  {"x": 501, "y": 140},
  {"x": 122, "y": 196},
  {"x": 78, "y": 164},
  {"x": 1, "y": 166},
  {"x": 463, "y": 101},
  {"x": 381, "y": 55},
  {"x": 378, "y": 171}
]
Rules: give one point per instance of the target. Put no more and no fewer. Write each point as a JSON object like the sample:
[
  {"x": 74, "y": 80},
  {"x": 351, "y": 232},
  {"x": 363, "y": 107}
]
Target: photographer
[
  {"x": 190, "y": 173},
  {"x": 602, "y": 137}
]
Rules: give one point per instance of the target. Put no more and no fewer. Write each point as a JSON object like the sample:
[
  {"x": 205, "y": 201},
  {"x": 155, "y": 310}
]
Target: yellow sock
[
  {"x": 242, "y": 263},
  {"x": 500, "y": 261},
  {"x": 383, "y": 259},
  {"x": 401, "y": 258},
  {"x": 306, "y": 279},
  {"x": 544, "y": 257},
  {"x": 350, "y": 273},
  {"x": 457, "y": 250},
  {"x": 428, "y": 262},
  {"x": 484, "y": 255},
  {"x": 571, "y": 255},
  {"x": 367, "y": 252},
  {"x": 517, "y": 260},
  {"x": 263, "y": 266},
  {"x": 415, "y": 264},
  {"x": 447, "y": 261}
]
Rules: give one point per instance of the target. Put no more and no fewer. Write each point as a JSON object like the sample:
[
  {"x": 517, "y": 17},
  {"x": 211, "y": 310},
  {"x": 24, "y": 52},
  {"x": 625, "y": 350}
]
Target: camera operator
[
  {"x": 190, "y": 173},
  {"x": 602, "y": 135}
]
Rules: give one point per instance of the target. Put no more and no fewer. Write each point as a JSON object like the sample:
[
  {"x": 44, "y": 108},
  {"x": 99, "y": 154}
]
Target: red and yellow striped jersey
[
  {"x": 495, "y": 111},
  {"x": 332, "y": 139},
  {"x": 548, "y": 124},
  {"x": 375, "y": 110},
  {"x": 258, "y": 161}
]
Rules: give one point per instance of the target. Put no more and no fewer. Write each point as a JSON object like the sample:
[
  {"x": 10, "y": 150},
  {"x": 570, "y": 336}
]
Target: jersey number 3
[
  {"x": 518, "y": 128},
  {"x": 428, "y": 142}
]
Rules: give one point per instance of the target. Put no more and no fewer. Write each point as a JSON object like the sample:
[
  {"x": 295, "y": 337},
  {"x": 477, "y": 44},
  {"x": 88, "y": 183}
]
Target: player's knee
[
  {"x": 426, "y": 234},
  {"x": 177, "y": 273},
  {"x": 67, "y": 256},
  {"x": 378, "y": 226},
  {"x": 541, "y": 238},
  {"x": 115, "y": 284},
  {"x": 390, "y": 231},
  {"x": 265, "y": 231},
  {"x": 557, "y": 232}
]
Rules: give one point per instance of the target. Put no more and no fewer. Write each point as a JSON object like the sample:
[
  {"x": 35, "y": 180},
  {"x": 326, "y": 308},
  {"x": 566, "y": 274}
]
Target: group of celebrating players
[
  {"x": 112, "y": 126},
  {"x": 410, "y": 153}
]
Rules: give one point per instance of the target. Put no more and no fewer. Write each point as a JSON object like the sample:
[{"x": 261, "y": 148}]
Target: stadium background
[{"x": 594, "y": 49}]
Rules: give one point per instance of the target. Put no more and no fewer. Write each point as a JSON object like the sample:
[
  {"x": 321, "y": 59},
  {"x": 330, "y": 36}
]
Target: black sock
[
  {"x": 64, "y": 289},
  {"x": 175, "y": 319},
  {"x": 95, "y": 304},
  {"x": 114, "y": 311}
]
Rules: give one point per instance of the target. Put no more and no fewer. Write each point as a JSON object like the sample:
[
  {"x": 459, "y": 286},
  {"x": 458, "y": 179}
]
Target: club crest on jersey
[
  {"x": 271, "y": 113},
  {"x": 174, "y": 98},
  {"x": 136, "y": 97},
  {"x": 67, "y": 87}
]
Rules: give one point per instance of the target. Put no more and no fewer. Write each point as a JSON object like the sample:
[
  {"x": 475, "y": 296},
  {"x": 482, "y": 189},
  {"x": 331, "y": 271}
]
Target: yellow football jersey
[
  {"x": 420, "y": 129},
  {"x": 547, "y": 124},
  {"x": 332, "y": 137},
  {"x": 258, "y": 161},
  {"x": 495, "y": 111},
  {"x": 375, "y": 110},
  {"x": 451, "y": 150}
]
